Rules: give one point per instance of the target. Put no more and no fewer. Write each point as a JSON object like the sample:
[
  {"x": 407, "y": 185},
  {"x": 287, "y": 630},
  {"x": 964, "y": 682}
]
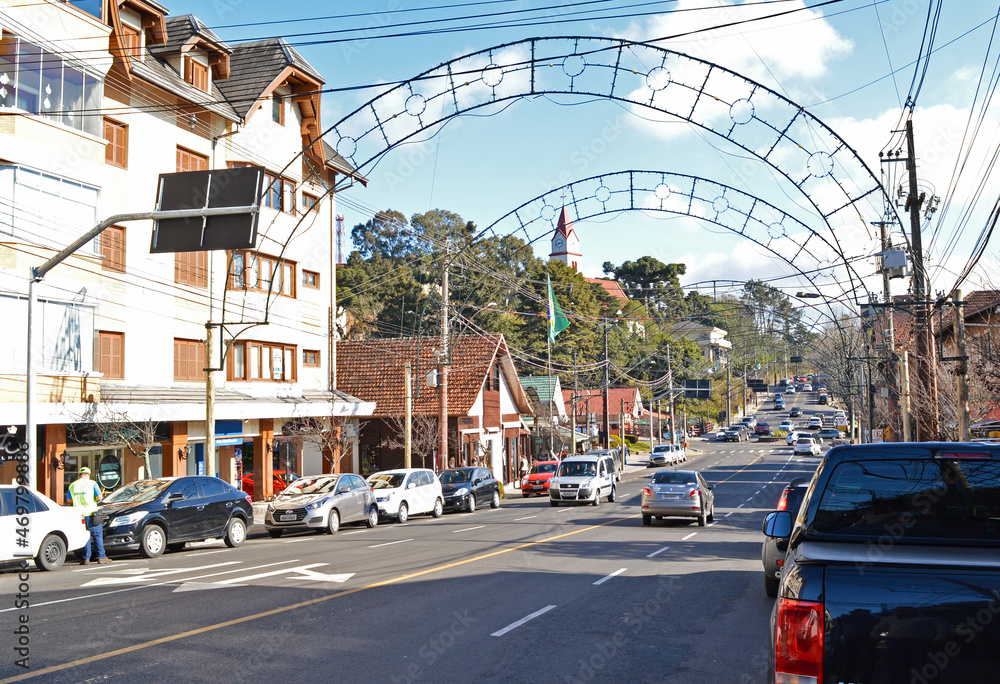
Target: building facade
[{"x": 99, "y": 99}]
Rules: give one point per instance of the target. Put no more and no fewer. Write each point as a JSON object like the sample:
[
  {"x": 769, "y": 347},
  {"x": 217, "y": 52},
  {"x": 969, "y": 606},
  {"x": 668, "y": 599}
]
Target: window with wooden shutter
[
  {"x": 113, "y": 249},
  {"x": 116, "y": 151},
  {"x": 196, "y": 73},
  {"x": 189, "y": 360},
  {"x": 111, "y": 350},
  {"x": 131, "y": 40},
  {"x": 191, "y": 268},
  {"x": 188, "y": 160}
]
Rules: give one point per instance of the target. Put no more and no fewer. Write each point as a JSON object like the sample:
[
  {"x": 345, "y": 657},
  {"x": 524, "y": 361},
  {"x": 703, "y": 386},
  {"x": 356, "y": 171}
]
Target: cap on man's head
[{"x": 84, "y": 469}]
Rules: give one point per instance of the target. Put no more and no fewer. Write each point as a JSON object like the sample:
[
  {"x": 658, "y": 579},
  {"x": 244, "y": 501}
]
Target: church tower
[{"x": 565, "y": 243}]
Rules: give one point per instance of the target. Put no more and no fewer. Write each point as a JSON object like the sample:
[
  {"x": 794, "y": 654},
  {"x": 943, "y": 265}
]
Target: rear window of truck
[{"x": 913, "y": 499}]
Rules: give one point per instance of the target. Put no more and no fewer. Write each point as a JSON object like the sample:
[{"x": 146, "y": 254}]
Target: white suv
[
  {"x": 583, "y": 479},
  {"x": 407, "y": 491}
]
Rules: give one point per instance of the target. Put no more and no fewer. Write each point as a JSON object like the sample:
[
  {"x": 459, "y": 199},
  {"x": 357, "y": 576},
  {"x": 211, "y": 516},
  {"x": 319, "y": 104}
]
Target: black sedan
[
  {"x": 465, "y": 488},
  {"x": 166, "y": 513}
]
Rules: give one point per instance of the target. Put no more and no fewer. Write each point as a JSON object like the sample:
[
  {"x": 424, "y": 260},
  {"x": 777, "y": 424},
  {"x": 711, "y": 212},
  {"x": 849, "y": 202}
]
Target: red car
[
  {"x": 537, "y": 479},
  {"x": 281, "y": 479},
  {"x": 762, "y": 429}
]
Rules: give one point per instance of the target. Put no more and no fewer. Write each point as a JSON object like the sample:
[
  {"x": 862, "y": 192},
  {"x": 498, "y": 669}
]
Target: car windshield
[
  {"x": 455, "y": 476},
  {"x": 667, "y": 477},
  {"x": 543, "y": 468},
  {"x": 578, "y": 469},
  {"x": 943, "y": 498},
  {"x": 138, "y": 492},
  {"x": 311, "y": 485},
  {"x": 386, "y": 480}
]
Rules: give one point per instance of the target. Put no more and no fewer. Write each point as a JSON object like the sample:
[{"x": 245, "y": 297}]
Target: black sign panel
[
  {"x": 796, "y": 359},
  {"x": 697, "y": 389},
  {"x": 237, "y": 187},
  {"x": 109, "y": 471}
]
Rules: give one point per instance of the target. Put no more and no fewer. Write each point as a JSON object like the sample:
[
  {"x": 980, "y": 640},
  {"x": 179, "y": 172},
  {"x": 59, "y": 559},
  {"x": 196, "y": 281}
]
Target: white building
[{"x": 93, "y": 109}]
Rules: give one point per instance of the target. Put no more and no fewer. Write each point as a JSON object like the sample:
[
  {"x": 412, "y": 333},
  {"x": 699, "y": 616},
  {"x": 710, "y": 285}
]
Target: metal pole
[
  {"x": 209, "y": 400},
  {"x": 606, "y": 420},
  {"x": 408, "y": 409},
  {"x": 572, "y": 403},
  {"x": 670, "y": 380},
  {"x": 443, "y": 374},
  {"x": 29, "y": 405}
]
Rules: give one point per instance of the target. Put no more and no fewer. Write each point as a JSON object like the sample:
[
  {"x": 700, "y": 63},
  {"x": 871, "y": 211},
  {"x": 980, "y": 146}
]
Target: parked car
[
  {"x": 814, "y": 423},
  {"x": 762, "y": 429},
  {"x": 279, "y": 480},
  {"x": 465, "y": 488},
  {"x": 806, "y": 446},
  {"x": 538, "y": 478},
  {"x": 321, "y": 502},
  {"x": 165, "y": 513},
  {"x": 678, "y": 493},
  {"x": 829, "y": 434},
  {"x": 53, "y": 530},
  {"x": 772, "y": 553},
  {"x": 407, "y": 491},
  {"x": 583, "y": 479},
  {"x": 795, "y": 412}
]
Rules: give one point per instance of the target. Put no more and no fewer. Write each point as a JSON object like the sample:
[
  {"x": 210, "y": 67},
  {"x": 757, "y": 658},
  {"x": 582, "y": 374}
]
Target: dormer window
[
  {"x": 196, "y": 73},
  {"x": 132, "y": 41}
]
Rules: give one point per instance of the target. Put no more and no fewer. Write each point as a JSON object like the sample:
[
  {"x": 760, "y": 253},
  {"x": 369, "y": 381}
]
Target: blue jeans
[{"x": 96, "y": 540}]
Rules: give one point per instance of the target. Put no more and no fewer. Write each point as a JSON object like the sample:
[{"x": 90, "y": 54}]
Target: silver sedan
[{"x": 678, "y": 493}]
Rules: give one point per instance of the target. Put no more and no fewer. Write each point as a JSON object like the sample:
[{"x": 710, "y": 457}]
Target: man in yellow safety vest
[{"x": 86, "y": 494}]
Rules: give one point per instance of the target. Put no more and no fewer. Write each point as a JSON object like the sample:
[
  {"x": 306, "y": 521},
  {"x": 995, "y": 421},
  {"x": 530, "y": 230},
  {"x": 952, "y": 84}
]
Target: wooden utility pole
[
  {"x": 572, "y": 406},
  {"x": 927, "y": 421},
  {"x": 606, "y": 421},
  {"x": 964, "y": 434},
  {"x": 904, "y": 394},
  {"x": 443, "y": 365}
]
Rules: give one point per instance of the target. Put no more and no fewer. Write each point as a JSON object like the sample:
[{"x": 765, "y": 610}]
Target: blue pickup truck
[{"x": 892, "y": 570}]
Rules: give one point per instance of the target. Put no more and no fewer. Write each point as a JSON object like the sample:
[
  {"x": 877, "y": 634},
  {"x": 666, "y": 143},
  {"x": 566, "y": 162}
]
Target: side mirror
[
  {"x": 777, "y": 525},
  {"x": 176, "y": 496},
  {"x": 411, "y": 485}
]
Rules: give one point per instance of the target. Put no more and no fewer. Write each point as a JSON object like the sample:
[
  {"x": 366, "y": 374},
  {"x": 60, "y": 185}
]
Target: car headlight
[
  {"x": 461, "y": 491},
  {"x": 586, "y": 484},
  {"x": 270, "y": 508},
  {"x": 317, "y": 504},
  {"x": 128, "y": 519}
]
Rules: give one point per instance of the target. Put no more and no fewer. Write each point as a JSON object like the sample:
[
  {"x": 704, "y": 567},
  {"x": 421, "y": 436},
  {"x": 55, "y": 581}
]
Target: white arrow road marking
[
  {"x": 150, "y": 576},
  {"x": 198, "y": 586},
  {"x": 319, "y": 576},
  {"x": 283, "y": 571},
  {"x": 526, "y": 618}
]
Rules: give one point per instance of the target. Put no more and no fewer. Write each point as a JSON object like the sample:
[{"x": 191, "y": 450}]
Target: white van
[
  {"x": 583, "y": 479},
  {"x": 407, "y": 491}
]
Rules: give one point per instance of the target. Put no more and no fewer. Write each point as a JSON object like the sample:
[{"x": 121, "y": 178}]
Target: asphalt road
[{"x": 525, "y": 593}]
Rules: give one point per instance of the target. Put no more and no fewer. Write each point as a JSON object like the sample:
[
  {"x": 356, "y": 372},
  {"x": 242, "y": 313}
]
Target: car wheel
[
  {"x": 771, "y": 586},
  {"x": 525, "y": 495},
  {"x": 275, "y": 533},
  {"x": 471, "y": 506},
  {"x": 153, "y": 541},
  {"x": 647, "y": 519},
  {"x": 438, "y": 508},
  {"x": 701, "y": 518},
  {"x": 333, "y": 522},
  {"x": 52, "y": 553},
  {"x": 176, "y": 546},
  {"x": 611, "y": 496},
  {"x": 495, "y": 501},
  {"x": 403, "y": 514},
  {"x": 372, "y": 519},
  {"x": 711, "y": 513},
  {"x": 554, "y": 504},
  {"x": 236, "y": 533},
  {"x": 597, "y": 497}
]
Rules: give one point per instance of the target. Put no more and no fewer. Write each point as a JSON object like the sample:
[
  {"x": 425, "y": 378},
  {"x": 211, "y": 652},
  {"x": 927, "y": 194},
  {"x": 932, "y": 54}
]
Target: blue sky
[{"x": 835, "y": 61}]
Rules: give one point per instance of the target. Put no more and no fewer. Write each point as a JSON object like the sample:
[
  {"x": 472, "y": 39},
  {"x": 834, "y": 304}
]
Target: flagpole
[{"x": 552, "y": 393}]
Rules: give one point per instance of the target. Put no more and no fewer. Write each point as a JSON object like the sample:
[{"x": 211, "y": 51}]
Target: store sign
[{"x": 109, "y": 471}]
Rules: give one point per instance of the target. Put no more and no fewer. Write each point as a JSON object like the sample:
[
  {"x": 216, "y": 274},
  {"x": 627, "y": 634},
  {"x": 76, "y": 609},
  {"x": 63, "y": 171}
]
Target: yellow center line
[{"x": 294, "y": 606}]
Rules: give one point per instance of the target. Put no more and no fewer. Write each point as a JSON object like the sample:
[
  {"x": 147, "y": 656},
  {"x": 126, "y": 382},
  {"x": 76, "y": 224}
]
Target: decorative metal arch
[
  {"x": 800, "y": 147},
  {"x": 756, "y": 220}
]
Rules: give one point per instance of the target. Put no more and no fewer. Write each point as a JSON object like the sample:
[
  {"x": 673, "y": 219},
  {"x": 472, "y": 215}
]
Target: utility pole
[
  {"x": 904, "y": 394},
  {"x": 408, "y": 420},
  {"x": 621, "y": 425},
  {"x": 444, "y": 362},
  {"x": 729, "y": 382},
  {"x": 963, "y": 370},
  {"x": 890, "y": 367},
  {"x": 927, "y": 422},
  {"x": 606, "y": 423},
  {"x": 670, "y": 380},
  {"x": 572, "y": 406}
]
